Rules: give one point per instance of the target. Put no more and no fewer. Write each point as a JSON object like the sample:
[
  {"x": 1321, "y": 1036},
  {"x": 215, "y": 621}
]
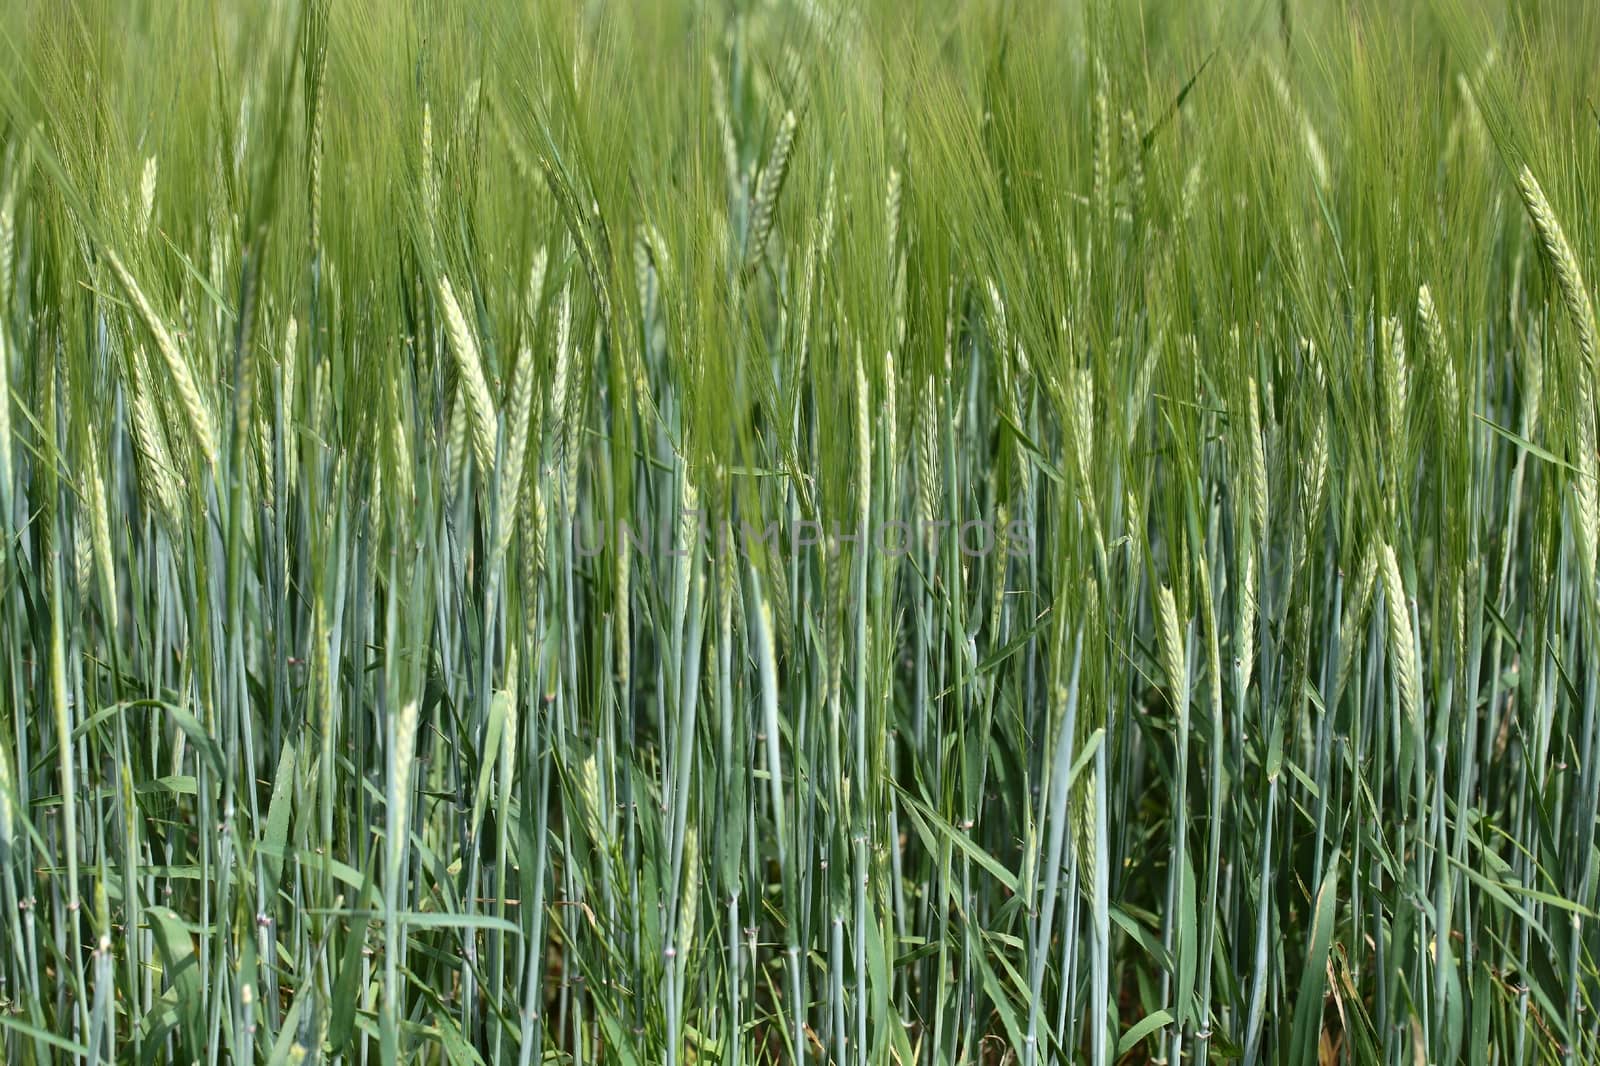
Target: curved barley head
[
  {"x": 152, "y": 463},
  {"x": 770, "y": 185},
  {"x": 1580, "y": 309},
  {"x": 474, "y": 388},
  {"x": 1446, "y": 381},
  {"x": 1569, "y": 278},
  {"x": 196, "y": 413}
]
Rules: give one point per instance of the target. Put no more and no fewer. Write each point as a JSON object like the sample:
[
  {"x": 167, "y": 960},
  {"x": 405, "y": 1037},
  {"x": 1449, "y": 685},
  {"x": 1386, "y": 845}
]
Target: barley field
[{"x": 739, "y": 533}]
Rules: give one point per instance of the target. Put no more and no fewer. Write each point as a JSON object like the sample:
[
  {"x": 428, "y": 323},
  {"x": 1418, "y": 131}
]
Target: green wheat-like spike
[
  {"x": 476, "y": 398},
  {"x": 196, "y": 412}
]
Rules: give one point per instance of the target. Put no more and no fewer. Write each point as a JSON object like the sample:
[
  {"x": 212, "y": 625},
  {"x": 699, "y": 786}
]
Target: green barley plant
[{"x": 739, "y": 534}]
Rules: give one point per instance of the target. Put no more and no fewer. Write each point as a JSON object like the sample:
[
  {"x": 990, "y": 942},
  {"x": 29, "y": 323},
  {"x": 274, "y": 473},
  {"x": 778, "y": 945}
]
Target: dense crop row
[{"x": 758, "y": 533}]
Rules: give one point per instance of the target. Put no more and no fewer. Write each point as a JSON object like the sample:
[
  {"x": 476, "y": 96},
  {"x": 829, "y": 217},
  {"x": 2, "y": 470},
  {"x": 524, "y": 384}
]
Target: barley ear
[
  {"x": 1580, "y": 309},
  {"x": 770, "y": 186},
  {"x": 1258, "y": 465},
  {"x": 147, "y": 196},
  {"x": 531, "y": 519},
  {"x": 1245, "y": 634},
  {"x": 456, "y": 442},
  {"x": 430, "y": 184},
  {"x": 1315, "y": 466},
  {"x": 929, "y": 473},
  {"x": 1443, "y": 367},
  {"x": 1174, "y": 655},
  {"x": 1532, "y": 379},
  {"x": 5, "y": 402},
  {"x": 863, "y": 443},
  {"x": 100, "y": 531},
  {"x": 188, "y": 392},
  {"x": 1355, "y": 620},
  {"x": 402, "y": 754},
  {"x": 152, "y": 464},
  {"x": 8, "y": 243},
  {"x": 475, "y": 389},
  {"x": 1401, "y": 648},
  {"x": 7, "y": 808},
  {"x": 559, "y": 385},
  {"x": 519, "y": 415},
  {"x": 1569, "y": 278}
]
